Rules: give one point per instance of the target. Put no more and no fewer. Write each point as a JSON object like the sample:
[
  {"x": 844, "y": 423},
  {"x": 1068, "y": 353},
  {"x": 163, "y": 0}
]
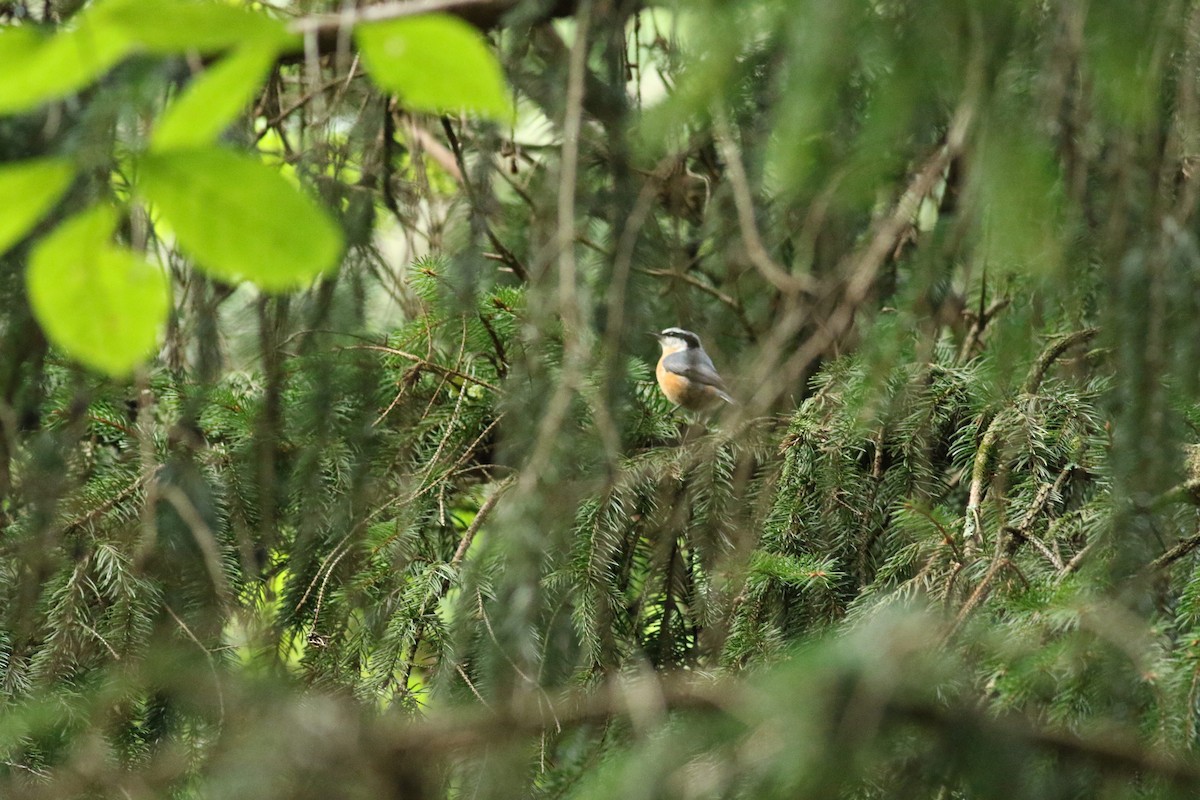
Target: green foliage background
[{"x": 383, "y": 502}]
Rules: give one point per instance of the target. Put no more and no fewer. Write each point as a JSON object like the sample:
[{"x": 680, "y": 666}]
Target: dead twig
[
  {"x": 783, "y": 280},
  {"x": 422, "y": 363}
]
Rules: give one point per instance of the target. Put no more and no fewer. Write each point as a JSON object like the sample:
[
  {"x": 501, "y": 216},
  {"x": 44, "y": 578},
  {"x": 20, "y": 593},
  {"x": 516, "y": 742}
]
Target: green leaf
[
  {"x": 240, "y": 219},
  {"x": 28, "y": 189},
  {"x": 38, "y": 69},
  {"x": 435, "y": 63},
  {"x": 19, "y": 43},
  {"x": 215, "y": 99},
  {"x": 179, "y": 26},
  {"x": 102, "y": 304}
]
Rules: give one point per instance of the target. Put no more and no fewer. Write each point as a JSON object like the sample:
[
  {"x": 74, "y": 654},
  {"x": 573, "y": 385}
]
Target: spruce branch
[
  {"x": 434, "y": 597},
  {"x": 987, "y": 453},
  {"x": 1183, "y": 548},
  {"x": 1052, "y": 353},
  {"x": 426, "y": 364}
]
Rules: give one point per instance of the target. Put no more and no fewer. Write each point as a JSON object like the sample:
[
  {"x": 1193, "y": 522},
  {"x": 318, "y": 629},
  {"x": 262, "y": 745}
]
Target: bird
[{"x": 686, "y": 374}]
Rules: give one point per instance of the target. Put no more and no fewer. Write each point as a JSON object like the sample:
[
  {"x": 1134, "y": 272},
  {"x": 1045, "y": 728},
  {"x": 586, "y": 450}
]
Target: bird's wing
[{"x": 697, "y": 367}]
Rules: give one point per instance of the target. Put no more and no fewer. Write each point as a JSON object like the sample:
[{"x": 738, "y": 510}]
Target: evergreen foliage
[{"x": 423, "y": 526}]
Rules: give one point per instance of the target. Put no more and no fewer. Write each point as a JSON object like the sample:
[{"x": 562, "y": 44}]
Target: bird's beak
[{"x": 655, "y": 334}]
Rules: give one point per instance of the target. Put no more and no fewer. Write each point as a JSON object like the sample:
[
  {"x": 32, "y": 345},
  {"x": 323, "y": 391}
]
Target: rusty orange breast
[{"x": 675, "y": 387}]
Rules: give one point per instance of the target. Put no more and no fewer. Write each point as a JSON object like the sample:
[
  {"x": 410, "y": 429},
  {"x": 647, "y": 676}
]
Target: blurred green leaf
[
  {"x": 28, "y": 189},
  {"x": 37, "y": 69},
  {"x": 215, "y": 99},
  {"x": 435, "y": 63},
  {"x": 19, "y": 43},
  {"x": 179, "y": 26},
  {"x": 240, "y": 219},
  {"x": 102, "y": 304}
]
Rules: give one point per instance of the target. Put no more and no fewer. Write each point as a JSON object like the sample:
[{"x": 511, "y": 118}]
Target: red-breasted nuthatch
[{"x": 686, "y": 374}]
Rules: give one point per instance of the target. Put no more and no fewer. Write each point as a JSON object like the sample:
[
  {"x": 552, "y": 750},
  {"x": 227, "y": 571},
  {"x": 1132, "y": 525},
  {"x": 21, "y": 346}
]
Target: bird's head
[{"x": 673, "y": 340}]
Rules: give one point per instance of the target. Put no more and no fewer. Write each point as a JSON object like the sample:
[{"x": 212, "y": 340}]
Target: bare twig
[
  {"x": 861, "y": 268},
  {"x": 980, "y": 323},
  {"x": 432, "y": 366},
  {"x": 568, "y": 299},
  {"x": 203, "y": 535},
  {"x": 693, "y": 281},
  {"x": 212, "y": 663},
  {"x": 477, "y": 12},
  {"x": 506, "y": 255},
  {"x": 775, "y": 274},
  {"x": 1177, "y": 552}
]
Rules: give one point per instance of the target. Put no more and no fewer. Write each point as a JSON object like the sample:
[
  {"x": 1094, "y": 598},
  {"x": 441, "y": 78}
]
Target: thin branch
[
  {"x": 972, "y": 523},
  {"x": 861, "y": 268},
  {"x": 481, "y": 13},
  {"x": 507, "y": 255},
  {"x": 464, "y": 544},
  {"x": 1051, "y": 354},
  {"x": 1177, "y": 552},
  {"x": 564, "y": 239},
  {"x": 432, "y": 366},
  {"x": 774, "y": 274},
  {"x": 987, "y": 447},
  {"x": 448, "y": 733},
  {"x": 982, "y": 319},
  {"x": 690, "y": 280},
  {"x": 212, "y": 663},
  {"x": 203, "y": 534},
  {"x": 1023, "y": 532}
]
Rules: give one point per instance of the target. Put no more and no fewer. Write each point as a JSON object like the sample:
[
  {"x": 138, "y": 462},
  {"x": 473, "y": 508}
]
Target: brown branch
[
  {"x": 507, "y": 255},
  {"x": 695, "y": 282},
  {"x": 1177, "y": 552},
  {"x": 861, "y": 267},
  {"x": 422, "y": 363},
  {"x": 329, "y": 30},
  {"x": 981, "y": 591},
  {"x": 1015, "y": 537},
  {"x": 1051, "y": 354},
  {"x": 1023, "y": 532},
  {"x": 776, "y": 275},
  {"x": 1075, "y": 562},
  {"x": 647, "y": 700},
  {"x": 987, "y": 447},
  {"x": 975, "y": 333}
]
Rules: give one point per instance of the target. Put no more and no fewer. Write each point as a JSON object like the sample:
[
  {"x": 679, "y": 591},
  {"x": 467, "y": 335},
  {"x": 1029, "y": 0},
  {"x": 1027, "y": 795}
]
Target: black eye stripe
[{"x": 692, "y": 339}]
